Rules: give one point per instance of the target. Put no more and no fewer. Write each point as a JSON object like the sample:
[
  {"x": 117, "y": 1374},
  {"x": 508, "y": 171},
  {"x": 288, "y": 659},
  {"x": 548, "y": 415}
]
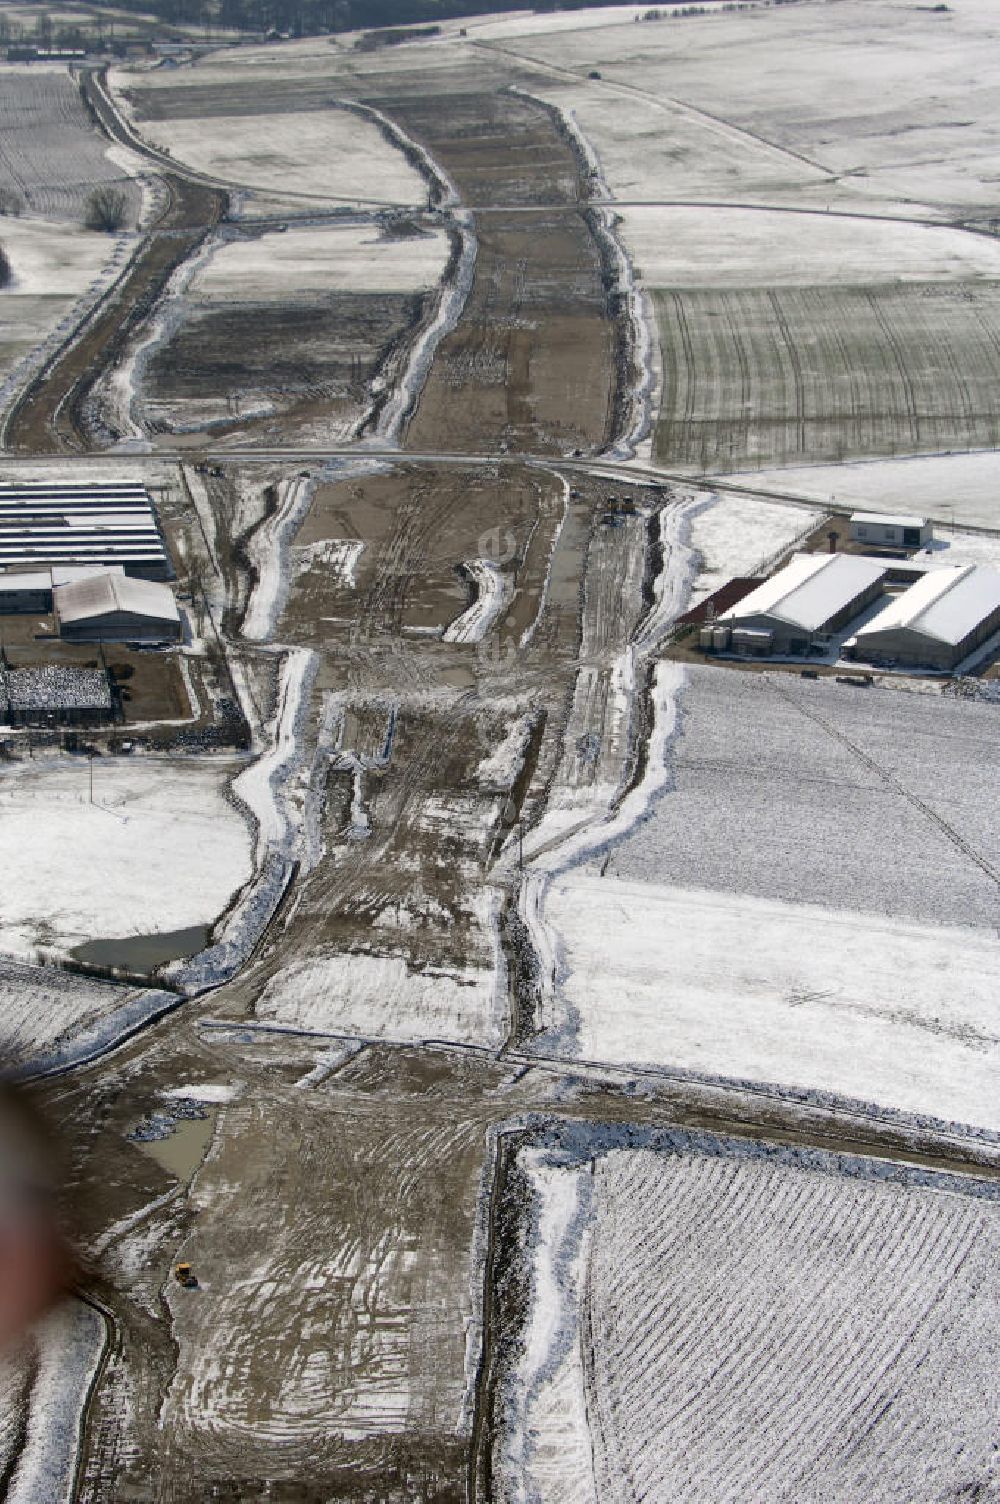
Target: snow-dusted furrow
[
  {"x": 585, "y": 824},
  {"x": 439, "y": 183},
  {"x": 119, "y": 397},
  {"x": 545, "y": 1451},
  {"x": 269, "y": 550},
  {"x": 543, "y": 597},
  {"x": 640, "y": 316},
  {"x": 642, "y": 340}
]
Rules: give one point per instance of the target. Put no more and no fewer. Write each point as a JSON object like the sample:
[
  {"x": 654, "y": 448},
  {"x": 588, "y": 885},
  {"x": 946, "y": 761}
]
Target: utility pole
[{"x": 90, "y": 760}]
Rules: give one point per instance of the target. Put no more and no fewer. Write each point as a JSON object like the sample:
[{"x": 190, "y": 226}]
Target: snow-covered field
[
  {"x": 159, "y": 849},
  {"x": 53, "y": 265},
  {"x": 50, "y": 259},
  {"x": 329, "y": 155},
  {"x": 725, "y": 247},
  {"x": 53, "y": 156},
  {"x": 709, "y": 1322},
  {"x": 877, "y": 105},
  {"x": 903, "y": 1015},
  {"x": 767, "y": 798},
  {"x": 383, "y": 997},
  {"x": 335, "y": 258},
  {"x": 959, "y": 488},
  {"x": 736, "y": 534},
  {"x": 809, "y": 900}
]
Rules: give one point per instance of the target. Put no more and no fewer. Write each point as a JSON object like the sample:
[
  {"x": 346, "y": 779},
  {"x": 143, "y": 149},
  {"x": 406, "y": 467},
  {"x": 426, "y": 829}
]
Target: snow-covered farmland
[
  {"x": 890, "y": 106},
  {"x": 52, "y": 155},
  {"x": 336, "y": 258},
  {"x": 53, "y": 265},
  {"x": 761, "y": 375},
  {"x": 815, "y": 792},
  {"x": 811, "y": 901},
  {"x": 960, "y": 488},
  {"x": 52, "y": 261},
  {"x": 385, "y": 997},
  {"x": 328, "y": 155},
  {"x": 688, "y": 246},
  {"x": 159, "y": 849},
  {"x": 736, "y": 534},
  {"x": 899, "y": 1014},
  {"x": 707, "y": 1321}
]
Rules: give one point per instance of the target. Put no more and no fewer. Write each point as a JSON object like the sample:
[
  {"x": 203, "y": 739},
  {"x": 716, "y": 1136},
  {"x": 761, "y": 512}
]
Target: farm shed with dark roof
[{"x": 55, "y": 696}]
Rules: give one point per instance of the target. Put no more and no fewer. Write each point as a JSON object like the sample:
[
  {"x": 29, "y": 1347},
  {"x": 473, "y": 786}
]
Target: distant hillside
[{"x": 307, "y": 17}]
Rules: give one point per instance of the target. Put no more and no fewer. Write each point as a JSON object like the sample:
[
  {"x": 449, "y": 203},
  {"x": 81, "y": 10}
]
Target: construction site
[{"x": 443, "y": 531}]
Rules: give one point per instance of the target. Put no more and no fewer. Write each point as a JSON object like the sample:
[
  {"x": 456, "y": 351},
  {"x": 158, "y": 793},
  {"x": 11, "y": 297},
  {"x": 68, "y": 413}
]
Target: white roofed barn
[
  {"x": 111, "y": 607},
  {"x": 812, "y": 596},
  {"x": 936, "y": 622}
]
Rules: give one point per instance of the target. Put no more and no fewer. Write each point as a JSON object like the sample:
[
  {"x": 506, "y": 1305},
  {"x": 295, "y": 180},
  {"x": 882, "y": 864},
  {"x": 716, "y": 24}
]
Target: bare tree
[{"x": 107, "y": 209}]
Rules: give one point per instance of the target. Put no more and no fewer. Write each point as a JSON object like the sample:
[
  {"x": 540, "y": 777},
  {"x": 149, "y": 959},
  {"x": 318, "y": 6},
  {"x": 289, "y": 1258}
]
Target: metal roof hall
[{"x": 810, "y": 591}]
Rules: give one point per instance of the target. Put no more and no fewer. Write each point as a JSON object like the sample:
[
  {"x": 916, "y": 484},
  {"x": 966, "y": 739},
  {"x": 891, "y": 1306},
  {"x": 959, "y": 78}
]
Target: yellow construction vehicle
[{"x": 185, "y": 1275}]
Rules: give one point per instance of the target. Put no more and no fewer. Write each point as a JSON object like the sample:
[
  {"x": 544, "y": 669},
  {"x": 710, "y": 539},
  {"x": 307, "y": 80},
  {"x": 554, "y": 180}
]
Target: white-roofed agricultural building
[
  {"x": 65, "y": 523},
  {"x": 936, "y": 622},
  {"x": 810, "y": 598},
  {"x": 111, "y": 607},
  {"x": 885, "y": 530},
  {"x": 26, "y": 591}
]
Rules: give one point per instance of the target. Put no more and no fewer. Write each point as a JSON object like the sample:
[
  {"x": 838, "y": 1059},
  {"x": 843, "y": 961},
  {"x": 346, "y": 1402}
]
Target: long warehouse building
[
  {"x": 936, "y": 623},
  {"x": 48, "y": 523},
  {"x": 811, "y": 597}
]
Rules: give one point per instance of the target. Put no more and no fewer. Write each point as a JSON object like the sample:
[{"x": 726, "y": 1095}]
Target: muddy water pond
[
  {"x": 182, "y": 1150},
  {"x": 144, "y": 952}
]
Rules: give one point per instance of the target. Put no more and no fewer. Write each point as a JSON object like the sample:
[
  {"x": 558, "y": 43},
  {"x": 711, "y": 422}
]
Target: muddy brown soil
[
  {"x": 411, "y": 716},
  {"x": 336, "y": 1229},
  {"x": 281, "y": 361},
  {"x": 533, "y": 363}
]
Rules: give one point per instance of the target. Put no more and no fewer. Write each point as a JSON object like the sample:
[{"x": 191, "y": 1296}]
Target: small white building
[
  {"x": 936, "y": 623},
  {"x": 886, "y": 530},
  {"x": 813, "y": 596},
  {"x": 113, "y": 607},
  {"x": 29, "y": 591},
  {"x": 24, "y": 592}
]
